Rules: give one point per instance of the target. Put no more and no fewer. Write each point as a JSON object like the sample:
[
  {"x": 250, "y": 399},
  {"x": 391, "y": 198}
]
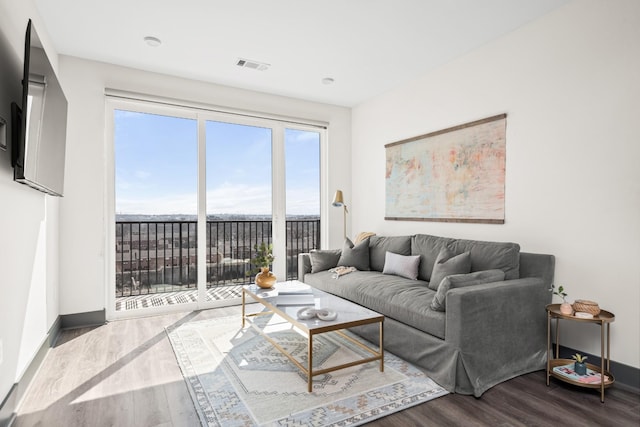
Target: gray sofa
[{"x": 471, "y": 331}]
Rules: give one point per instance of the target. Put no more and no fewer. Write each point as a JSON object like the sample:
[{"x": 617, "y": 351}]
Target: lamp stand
[{"x": 344, "y": 220}]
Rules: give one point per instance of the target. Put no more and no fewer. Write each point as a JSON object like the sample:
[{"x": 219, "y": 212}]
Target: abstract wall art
[{"x": 452, "y": 175}]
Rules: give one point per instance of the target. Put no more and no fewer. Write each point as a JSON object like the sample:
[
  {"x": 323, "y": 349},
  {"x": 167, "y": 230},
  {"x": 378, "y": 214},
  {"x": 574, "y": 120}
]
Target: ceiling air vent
[{"x": 254, "y": 65}]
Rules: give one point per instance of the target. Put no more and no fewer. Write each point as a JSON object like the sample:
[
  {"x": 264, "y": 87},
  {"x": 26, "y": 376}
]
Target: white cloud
[
  {"x": 164, "y": 205},
  {"x": 301, "y": 136},
  {"x": 239, "y": 199},
  {"x": 226, "y": 199},
  {"x": 142, "y": 174},
  {"x": 302, "y": 201}
]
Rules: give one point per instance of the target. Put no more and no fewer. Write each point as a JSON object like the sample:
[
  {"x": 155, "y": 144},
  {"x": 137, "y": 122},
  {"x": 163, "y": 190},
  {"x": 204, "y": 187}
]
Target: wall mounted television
[{"x": 40, "y": 124}]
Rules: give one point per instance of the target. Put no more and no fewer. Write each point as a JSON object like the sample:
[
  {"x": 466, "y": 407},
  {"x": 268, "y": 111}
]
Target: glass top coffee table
[{"x": 295, "y": 296}]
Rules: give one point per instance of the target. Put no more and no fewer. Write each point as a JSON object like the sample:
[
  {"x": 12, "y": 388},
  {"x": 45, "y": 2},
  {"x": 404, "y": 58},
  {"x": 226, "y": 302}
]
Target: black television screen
[
  {"x": 40, "y": 123},
  {"x": 10, "y": 91}
]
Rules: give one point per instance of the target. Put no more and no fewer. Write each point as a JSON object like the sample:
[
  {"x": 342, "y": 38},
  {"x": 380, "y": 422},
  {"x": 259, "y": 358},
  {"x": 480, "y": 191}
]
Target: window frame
[{"x": 118, "y": 100}]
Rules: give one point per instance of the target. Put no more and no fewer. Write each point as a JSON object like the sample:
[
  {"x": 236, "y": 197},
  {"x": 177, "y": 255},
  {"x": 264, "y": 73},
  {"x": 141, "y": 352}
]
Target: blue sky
[{"x": 156, "y": 167}]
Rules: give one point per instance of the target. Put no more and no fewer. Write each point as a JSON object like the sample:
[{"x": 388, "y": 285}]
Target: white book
[
  {"x": 288, "y": 288},
  {"x": 295, "y": 299}
]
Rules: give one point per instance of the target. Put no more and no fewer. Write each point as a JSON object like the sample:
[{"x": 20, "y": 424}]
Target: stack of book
[
  {"x": 294, "y": 293},
  {"x": 591, "y": 377}
]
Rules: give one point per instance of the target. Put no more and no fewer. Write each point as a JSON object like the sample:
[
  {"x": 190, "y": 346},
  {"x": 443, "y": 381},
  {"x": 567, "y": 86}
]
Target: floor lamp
[{"x": 338, "y": 201}]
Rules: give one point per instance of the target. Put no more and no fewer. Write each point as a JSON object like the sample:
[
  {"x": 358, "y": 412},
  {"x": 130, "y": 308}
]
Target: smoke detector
[
  {"x": 254, "y": 65},
  {"x": 152, "y": 41}
]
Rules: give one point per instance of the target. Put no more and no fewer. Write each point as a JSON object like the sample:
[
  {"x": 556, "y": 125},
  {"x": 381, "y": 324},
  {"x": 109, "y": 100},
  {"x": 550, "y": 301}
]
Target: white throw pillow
[{"x": 401, "y": 265}]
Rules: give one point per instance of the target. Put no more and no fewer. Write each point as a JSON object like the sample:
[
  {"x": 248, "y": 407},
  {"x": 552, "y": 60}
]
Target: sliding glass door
[
  {"x": 239, "y": 201},
  {"x": 155, "y": 209},
  {"x": 195, "y": 192},
  {"x": 302, "y": 186}
]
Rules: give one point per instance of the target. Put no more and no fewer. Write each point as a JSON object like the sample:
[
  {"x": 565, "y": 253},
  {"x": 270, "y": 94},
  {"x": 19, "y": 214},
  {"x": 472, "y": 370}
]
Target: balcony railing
[{"x": 161, "y": 256}]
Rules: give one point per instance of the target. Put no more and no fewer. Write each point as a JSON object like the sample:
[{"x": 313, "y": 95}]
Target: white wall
[
  {"x": 83, "y": 223},
  {"x": 29, "y": 242},
  {"x": 570, "y": 85}
]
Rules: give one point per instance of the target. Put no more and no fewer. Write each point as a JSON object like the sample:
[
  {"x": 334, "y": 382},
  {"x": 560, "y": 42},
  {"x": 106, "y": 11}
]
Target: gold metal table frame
[{"x": 310, "y": 330}]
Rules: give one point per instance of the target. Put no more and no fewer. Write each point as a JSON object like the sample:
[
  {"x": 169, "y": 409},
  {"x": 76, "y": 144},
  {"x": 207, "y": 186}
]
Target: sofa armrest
[
  {"x": 500, "y": 312},
  {"x": 304, "y": 265},
  {"x": 500, "y": 329}
]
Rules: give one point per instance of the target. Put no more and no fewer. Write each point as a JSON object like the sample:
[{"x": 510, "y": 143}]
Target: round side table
[{"x": 604, "y": 319}]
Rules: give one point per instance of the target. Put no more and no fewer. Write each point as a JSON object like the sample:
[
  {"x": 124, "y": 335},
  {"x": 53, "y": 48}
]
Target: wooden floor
[{"x": 125, "y": 374}]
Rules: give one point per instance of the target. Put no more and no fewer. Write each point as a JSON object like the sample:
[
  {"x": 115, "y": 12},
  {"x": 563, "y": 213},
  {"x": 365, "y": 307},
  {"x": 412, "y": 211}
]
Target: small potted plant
[
  {"x": 263, "y": 259},
  {"x": 579, "y": 366},
  {"x": 565, "y": 307}
]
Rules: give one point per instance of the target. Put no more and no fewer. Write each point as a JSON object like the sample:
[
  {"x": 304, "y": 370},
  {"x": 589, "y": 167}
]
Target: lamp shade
[{"x": 338, "y": 200}]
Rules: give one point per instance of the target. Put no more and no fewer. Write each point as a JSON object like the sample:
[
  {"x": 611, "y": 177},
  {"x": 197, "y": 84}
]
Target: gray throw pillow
[
  {"x": 355, "y": 256},
  {"x": 380, "y": 245},
  {"x": 492, "y": 255},
  {"x": 402, "y": 265},
  {"x": 322, "y": 260},
  {"x": 447, "y": 264},
  {"x": 429, "y": 247},
  {"x": 439, "y": 301}
]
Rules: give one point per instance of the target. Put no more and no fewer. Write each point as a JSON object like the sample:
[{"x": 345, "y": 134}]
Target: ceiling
[{"x": 367, "y": 46}]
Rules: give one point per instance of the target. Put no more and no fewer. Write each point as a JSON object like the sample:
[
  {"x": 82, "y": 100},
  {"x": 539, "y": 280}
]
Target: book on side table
[{"x": 591, "y": 377}]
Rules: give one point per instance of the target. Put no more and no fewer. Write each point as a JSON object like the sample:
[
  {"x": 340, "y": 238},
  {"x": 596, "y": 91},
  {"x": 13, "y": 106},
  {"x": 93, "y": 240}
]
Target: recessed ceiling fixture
[
  {"x": 152, "y": 41},
  {"x": 254, "y": 65},
  {"x": 327, "y": 81}
]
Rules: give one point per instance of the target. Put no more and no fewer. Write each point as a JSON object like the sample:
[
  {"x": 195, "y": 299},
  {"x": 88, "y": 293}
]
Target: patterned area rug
[{"x": 237, "y": 378}]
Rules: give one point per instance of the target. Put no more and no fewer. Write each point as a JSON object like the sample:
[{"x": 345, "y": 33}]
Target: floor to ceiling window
[
  {"x": 302, "y": 174},
  {"x": 156, "y": 181},
  {"x": 239, "y": 199},
  {"x": 195, "y": 192}
]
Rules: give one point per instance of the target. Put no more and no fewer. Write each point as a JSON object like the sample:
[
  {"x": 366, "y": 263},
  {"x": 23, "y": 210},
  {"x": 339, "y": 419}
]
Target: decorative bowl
[{"x": 586, "y": 306}]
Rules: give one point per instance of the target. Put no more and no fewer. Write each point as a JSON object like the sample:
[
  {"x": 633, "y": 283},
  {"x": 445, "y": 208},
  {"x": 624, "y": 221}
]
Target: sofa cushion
[
  {"x": 428, "y": 247},
  {"x": 355, "y": 256},
  {"x": 461, "y": 280},
  {"x": 322, "y": 260},
  {"x": 449, "y": 263},
  {"x": 380, "y": 245},
  {"x": 402, "y": 265},
  {"x": 491, "y": 255},
  {"x": 401, "y": 299}
]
